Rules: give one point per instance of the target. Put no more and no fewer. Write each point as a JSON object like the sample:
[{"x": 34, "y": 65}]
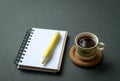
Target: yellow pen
[{"x": 51, "y": 47}]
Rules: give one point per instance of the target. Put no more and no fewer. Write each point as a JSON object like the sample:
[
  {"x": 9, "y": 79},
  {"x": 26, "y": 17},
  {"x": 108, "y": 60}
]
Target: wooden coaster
[{"x": 83, "y": 63}]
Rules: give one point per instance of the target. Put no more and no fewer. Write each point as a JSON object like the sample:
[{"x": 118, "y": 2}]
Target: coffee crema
[{"x": 86, "y": 42}]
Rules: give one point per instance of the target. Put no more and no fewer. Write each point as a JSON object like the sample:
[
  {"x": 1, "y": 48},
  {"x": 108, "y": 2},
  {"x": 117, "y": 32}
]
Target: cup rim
[{"x": 86, "y": 34}]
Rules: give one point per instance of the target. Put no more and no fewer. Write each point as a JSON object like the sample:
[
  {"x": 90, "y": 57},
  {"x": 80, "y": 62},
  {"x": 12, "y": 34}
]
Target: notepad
[{"x": 34, "y": 44}]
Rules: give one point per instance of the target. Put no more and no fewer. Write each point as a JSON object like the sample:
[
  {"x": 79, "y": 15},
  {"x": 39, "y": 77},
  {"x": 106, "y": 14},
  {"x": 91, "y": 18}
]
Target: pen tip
[{"x": 43, "y": 61}]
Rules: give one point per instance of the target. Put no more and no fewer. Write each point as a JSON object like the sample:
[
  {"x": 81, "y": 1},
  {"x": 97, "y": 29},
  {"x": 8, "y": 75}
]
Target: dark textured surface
[{"x": 100, "y": 17}]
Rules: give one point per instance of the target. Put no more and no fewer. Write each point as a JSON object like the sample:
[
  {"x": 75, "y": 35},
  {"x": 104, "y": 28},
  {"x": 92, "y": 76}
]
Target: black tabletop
[{"x": 75, "y": 16}]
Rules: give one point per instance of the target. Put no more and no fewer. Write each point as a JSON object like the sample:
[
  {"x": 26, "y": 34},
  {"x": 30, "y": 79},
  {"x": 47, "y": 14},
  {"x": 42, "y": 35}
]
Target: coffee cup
[{"x": 87, "y": 44}]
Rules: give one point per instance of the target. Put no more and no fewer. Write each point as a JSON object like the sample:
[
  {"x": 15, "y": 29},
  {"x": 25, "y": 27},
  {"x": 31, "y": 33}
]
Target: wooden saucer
[{"x": 83, "y": 63}]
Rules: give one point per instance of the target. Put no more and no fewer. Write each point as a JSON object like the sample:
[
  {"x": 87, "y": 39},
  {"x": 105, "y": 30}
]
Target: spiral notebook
[{"x": 34, "y": 44}]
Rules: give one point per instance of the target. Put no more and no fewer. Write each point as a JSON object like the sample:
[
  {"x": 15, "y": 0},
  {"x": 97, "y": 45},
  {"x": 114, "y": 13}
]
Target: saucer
[{"x": 76, "y": 60}]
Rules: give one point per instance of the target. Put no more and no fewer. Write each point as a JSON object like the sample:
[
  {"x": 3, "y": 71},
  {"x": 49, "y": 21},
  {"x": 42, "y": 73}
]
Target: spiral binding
[{"x": 24, "y": 46}]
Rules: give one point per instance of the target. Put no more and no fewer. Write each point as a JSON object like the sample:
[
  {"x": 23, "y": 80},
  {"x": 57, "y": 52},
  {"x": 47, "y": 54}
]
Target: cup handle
[{"x": 101, "y": 46}]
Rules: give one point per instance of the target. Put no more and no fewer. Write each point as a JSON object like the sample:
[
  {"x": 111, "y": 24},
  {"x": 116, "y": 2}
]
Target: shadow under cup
[{"x": 87, "y": 44}]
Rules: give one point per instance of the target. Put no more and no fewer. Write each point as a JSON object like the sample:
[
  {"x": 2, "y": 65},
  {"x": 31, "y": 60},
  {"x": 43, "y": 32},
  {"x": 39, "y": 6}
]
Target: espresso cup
[{"x": 86, "y": 45}]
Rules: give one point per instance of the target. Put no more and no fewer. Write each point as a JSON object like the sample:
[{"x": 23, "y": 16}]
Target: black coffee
[{"x": 86, "y": 42}]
